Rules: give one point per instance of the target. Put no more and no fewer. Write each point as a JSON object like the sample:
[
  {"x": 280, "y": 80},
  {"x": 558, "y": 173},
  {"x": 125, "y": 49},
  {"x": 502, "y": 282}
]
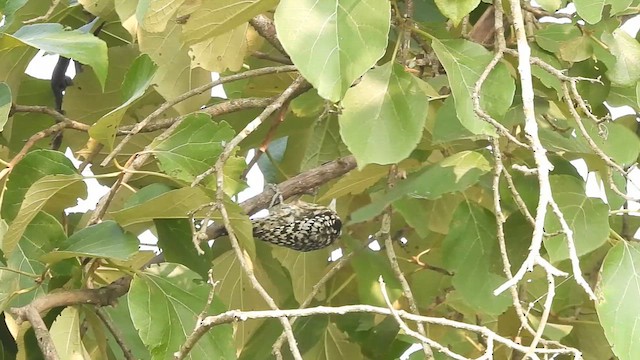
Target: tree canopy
[{"x": 486, "y": 184}]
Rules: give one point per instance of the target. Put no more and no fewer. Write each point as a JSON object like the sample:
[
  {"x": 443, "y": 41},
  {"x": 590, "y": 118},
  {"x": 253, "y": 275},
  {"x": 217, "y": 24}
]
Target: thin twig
[
  {"x": 199, "y": 90},
  {"x": 265, "y": 27},
  {"x": 385, "y": 231},
  {"x": 314, "y": 291},
  {"x": 238, "y": 315},
  {"x": 407, "y": 329},
  {"x": 117, "y": 335},
  {"x": 543, "y": 164},
  {"x": 551, "y": 292},
  {"x": 286, "y": 95},
  {"x": 43, "y": 337},
  {"x": 65, "y": 123}
]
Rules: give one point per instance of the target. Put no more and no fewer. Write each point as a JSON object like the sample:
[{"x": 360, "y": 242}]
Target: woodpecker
[{"x": 299, "y": 226}]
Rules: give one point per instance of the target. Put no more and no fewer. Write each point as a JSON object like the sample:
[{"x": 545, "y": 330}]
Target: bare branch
[
  {"x": 237, "y": 315},
  {"x": 265, "y": 27},
  {"x": 43, "y": 337}
]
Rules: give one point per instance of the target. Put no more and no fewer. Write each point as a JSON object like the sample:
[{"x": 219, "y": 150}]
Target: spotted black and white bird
[{"x": 299, "y": 226}]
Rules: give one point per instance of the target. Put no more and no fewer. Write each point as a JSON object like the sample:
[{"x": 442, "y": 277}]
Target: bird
[{"x": 299, "y": 225}]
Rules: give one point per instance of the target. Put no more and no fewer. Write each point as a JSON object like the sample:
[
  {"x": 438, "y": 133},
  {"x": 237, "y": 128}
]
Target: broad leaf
[
  {"x": 626, "y": 49},
  {"x": 333, "y": 42},
  {"x": 456, "y": 10},
  {"x": 590, "y": 10},
  {"x": 175, "y": 75},
  {"x": 175, "y": 239},
  {"x": 214, "y": 18},
  {"x": 81, "y": 46},
  {"x": 65, "y": 333},
  {"x": 235, "y": 290},
  {"x": 587, "y": 217},
  {"x": 175, "y": 204},
  {"x": 165, "y": 301},
  {"x": 104, "y": 240},
  {"x": 464, "y": 62},
  {"x": 37, "y": 164},
  {"x": 67, "y": 187},
  {"x": 225, "y": 51},
  {"x": 325, "y": 143},
  {"x": 470, "y": 250},
  {"x": 618, "y": 295},
  {"x": 41, "y": 236},
  {"x": 193, "y": 147},
  {"x": 355, "y": 182},
  {"x": 383, "y": 116},
  {"x": 333, "y": 344},
  {"x": 153, "y": 16},
  {"x": 306, "y": 268},
  {"x": 136, "y": 82},
  {"x": 453, "y": 174}
]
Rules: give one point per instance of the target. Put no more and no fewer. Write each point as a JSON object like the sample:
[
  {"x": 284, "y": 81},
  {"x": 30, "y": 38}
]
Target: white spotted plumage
[{"x": 299, "y": 226}]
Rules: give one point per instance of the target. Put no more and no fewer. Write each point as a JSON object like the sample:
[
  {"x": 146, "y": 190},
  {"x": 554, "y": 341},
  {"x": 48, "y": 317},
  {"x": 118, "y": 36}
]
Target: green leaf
[
  {"x": 368, "y": 266},
  {"x": 242, "y": 227},
  {"x": 464, "y": 62},
  {"x": 307, "y": 269},
  {"x": 175, "y": 239},
  {"x": 35, "y": 165},
  {"x": 334, "y": 344},
  {"x": 333, "y": 42},
  {"x": 576, "y": 50},
  {"x": 175, "y": 204},
  {"x": 551, "y": 36},
  {"x": 153, "y": 16},
  {"x": 455, "y": 173},
  {"x": 165, "y": 301},
  {"x": 447, "y": 125},
  {"x": 470, "y": 250},
  {"x": 355, "y": 182},
  {"x": 587, "y": 217},
  {"x": 119, "y": 314},
  {"x": 236, "y": 291},
  {"x": 80, "y": 46},
  {"x": 136, "y": 82},
  {"x": 66, "y": 186},
  {"x": 103, "y": 240},
  {"x": 175, "y": 75},
  {"x": 626, "y": 49},
  {"x": 41, "y": 236},
  {"x": 414, "y": 213},
  {"x": 324, "y": 144},
  {"x": 383, "y": 116},
  {"x": 193, "y": 147},
  {"x": 618, "y": 293},
  {"x": 215, "y": 18},
  {"x": 5, "y": 104},
  {"x": 550, "y": 5},
  {"x": 222, "y": 52},
  {"x": 65, "y": 334},
  {"x": 615, "y": 140},
  {"x": 456, "y": 10},
  {"x": 590, "y": 10}
]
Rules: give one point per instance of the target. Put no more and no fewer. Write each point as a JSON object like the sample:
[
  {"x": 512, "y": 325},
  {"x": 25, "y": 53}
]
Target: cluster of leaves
[{"x": 395, "y": 92}]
